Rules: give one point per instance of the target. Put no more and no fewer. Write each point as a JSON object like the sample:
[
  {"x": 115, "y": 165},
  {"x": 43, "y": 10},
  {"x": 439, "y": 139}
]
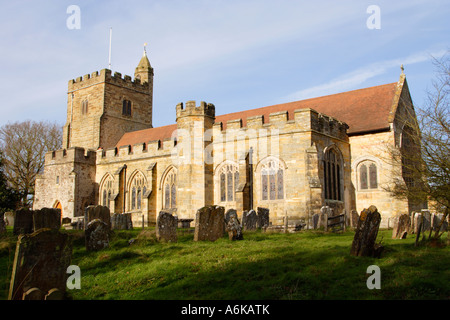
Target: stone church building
[{"x": 292, "y": 158}]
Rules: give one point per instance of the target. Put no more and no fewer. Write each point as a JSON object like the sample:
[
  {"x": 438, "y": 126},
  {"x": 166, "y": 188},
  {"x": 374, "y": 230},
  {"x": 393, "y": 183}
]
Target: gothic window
[
  {"x": 84, "y": 106},
  {"x": 332, "y": 175},
  {"x": 107, "y": 191},
  {"x": 272, "y": 180},
  {"x": 126, "y": 107},
  {"x": 228, "y": 182},
  {"x": 137, "y": 186},
  {"x": 170, "y": 190},
  {"x": 368, "y": 177}
]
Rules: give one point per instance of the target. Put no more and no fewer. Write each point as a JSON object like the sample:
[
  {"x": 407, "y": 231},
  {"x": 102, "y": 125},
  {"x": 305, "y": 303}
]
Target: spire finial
[
  {"x": 403, "y": 69},
  {"x": 145, "y": 51}
]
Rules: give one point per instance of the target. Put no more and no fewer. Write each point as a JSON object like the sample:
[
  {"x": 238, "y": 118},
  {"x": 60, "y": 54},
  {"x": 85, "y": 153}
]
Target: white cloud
[{"x": 354, "y": 79}]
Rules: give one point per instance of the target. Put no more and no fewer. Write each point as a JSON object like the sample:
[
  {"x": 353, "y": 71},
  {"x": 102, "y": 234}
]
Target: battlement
[
  {"x": 301, "y": 120},
  {"x": 204, "y": 109},
  {"x": 155, "y": 148},
  {"x": 106, "y": 76},
  {"x": 70, "y": 155}
]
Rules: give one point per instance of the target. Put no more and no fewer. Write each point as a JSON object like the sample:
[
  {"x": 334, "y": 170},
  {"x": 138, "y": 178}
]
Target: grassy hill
[{"x": 308, "y": 265}]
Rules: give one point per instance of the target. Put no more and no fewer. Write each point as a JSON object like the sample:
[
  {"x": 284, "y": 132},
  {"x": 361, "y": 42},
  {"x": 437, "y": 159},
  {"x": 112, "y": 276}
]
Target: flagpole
[{"x": 110, "y": 39}]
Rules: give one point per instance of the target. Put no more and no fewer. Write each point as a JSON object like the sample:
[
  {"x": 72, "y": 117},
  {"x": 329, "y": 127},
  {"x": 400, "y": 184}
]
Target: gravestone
[
  {"x": 23, "y": 221},
  {"x": 121, "y": 221},
  {"x": 366, "y": 233},
  {"x": 166, "y": 227},
  {"x": 263, "y": 218},
  {"x": 2, "y": 224},
  {"x": 234, "y": 228},
  {"x": 402, "y": 226},
  {"x": 209, "y": 223},
  {"x": 228, "y": 214},
  {"x": 47, "y": 218},
  {"x": 40, "y": 265},
  {"x": 97, "y": 212},
  {"x": 249, "y": 220},
  {"x": 426, "y": 220},
  {"x": 436, "y": 222},
  {"x": 315, "y": 221},
  {"x": 96, "y": 235},
  {"x": 354, "y": 217},
  {"x": 9, "y": 218}
]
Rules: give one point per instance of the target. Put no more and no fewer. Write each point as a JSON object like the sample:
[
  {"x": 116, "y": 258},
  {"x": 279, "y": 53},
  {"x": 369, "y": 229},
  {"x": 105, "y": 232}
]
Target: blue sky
[{"x": 237, "y": 55}]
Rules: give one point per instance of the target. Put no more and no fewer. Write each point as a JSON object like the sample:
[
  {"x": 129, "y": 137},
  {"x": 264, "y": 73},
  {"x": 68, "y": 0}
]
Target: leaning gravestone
[
  {"x": 40, "y": 265},
  {"x": 209, "y": 223},
  {"x": 23, "y": 221},
  {"x": 249, "y": 220},
  {"x": 263, "y": 218},
  {"x": 47, "y": 218},
  {"x": 366, "y": 233},
  {"x": 166, "y": 227},
  {"x": 402, "y": 226},
  {"x": 96, "y": 235},
  {"x": 234, "y": 228},
  {"x": 426, "y": 220}
]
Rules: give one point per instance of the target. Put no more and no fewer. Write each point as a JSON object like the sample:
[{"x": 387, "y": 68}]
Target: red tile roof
[{"x": 364, "y": 110}]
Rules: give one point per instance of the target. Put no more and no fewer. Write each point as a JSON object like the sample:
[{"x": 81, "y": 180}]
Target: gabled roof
[{"x": 364, "y": 110}]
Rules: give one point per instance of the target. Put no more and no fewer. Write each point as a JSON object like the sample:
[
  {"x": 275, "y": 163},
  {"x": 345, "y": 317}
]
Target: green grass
[{"x": 306, "y": 265}]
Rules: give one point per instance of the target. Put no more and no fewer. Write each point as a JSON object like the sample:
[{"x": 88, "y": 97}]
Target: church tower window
[{"x": 126, "y": 108}]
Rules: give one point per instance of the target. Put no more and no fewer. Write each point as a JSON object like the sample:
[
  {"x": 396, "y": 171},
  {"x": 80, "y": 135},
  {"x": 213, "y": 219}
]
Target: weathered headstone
[
  {"x": 437, "y": 221},
  {"x": 47, "y": 218},
  {"x": 97, "y": 212},
  {"x": 121, "y": 221},
  {"x": 426, "y": 220},
  {"x": 234, "y": 228},
  {"x": 9, "y": 218},
  {"x": 66, "y": 220},
  {"x": 40, "y": 265},
  {"x": 228, "y": 214},
  {"x": 263, "y": 218},
  {"x": 402, "y": 226},
  {"x": 315, "y": 221},
  {"x": 354, "y": 217},
  {"x": 166, "y": 227},
  {"x": 23, "y": 221},
  {"x": 96, "y": 235},
  {"x": 209, "y": 223},
  {"x": 366, "y": 233},
  {"x": 249, "y": 220}
]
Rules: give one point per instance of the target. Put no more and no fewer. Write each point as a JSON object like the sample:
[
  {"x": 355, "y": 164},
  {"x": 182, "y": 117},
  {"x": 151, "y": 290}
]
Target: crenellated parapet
[
  {"x": 106, "y": 76},
  {"x": 284, "y": 122},
  {"x": 71, "y": 155},
  {"x": 155, "y": 148},
  {"x": 191, "y": 109}
]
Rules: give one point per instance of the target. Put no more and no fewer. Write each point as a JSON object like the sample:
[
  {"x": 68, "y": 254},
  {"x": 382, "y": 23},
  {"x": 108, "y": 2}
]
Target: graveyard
[{"x": 261, "y": 263}]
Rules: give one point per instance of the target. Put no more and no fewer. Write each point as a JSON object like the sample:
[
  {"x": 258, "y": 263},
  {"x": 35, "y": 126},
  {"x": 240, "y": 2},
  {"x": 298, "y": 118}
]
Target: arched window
[
  {"x": 332, "y": 166},
  {"x": 137, "y": 187},
  {"x": 106, "y": 191},
  {"x": 228, "y": 181},
  {"x": 170, "y": 190},
  {"x": 272, "y": 180},
  {"x": 368, "y": 176},
  {"x": 126, "y": 107},
  {"x": 84, "y": 106}
]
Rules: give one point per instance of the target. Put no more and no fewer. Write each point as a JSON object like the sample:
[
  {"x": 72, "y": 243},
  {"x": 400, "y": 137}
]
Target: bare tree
[
  {"x": 424, "y": 153},
  {"x": 23, "y": 145}
]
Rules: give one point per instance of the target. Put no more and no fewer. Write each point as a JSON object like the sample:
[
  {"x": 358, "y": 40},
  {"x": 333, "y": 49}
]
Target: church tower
[{"x": 102, "y": 106}]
